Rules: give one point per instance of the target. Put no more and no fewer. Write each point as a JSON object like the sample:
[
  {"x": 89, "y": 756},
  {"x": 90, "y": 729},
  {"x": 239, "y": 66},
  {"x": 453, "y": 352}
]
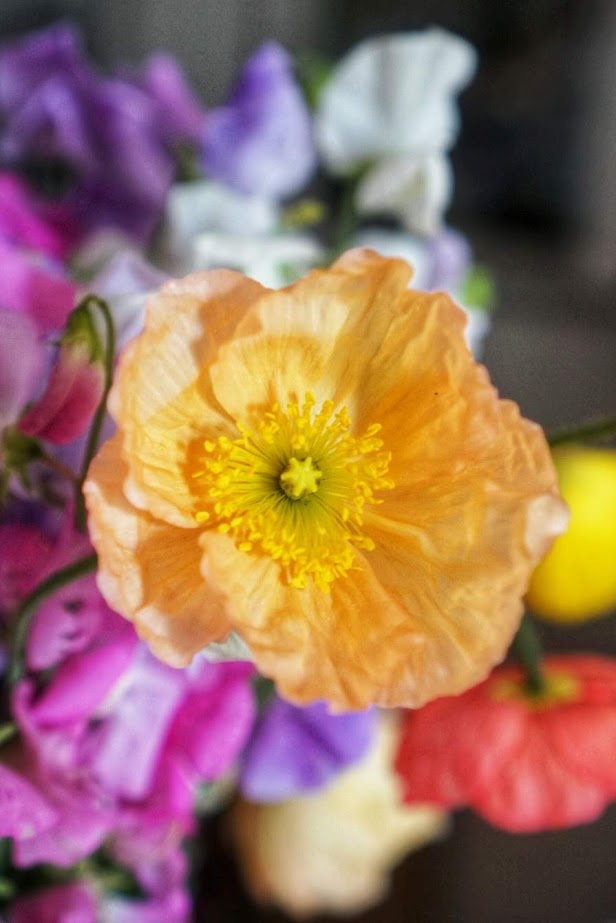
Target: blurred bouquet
[{"x": 266, "y": 526}]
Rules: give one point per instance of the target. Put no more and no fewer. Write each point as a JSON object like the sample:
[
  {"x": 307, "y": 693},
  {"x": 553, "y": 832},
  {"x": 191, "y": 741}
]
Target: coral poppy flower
[
  {"x": 525, "y": 763},
  {"x": 325, "y": 470}
]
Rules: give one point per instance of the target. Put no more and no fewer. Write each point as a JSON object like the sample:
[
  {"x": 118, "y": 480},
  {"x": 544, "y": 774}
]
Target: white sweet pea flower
[
  {"x": 415, "y": 188},
  {"x": 390, "y": 106},
  {"x": 208, "y": 206},
  {"x": 273, "y": 260}
]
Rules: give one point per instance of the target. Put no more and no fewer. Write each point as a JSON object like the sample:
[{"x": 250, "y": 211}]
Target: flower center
[
  {"x": 300, "y": 478},
  {"x": 295, "y": 487}
]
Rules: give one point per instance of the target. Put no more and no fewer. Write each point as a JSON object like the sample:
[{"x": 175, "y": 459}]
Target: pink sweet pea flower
[
  {"x": 25, "y": 811},
  {"x": 67, "y": 903},
  {"x": 32, "y": 279},
  {"x": 70, "y": 400},
  {"x": 76, "y": 383},
  {"x": 22, "y": 220}
]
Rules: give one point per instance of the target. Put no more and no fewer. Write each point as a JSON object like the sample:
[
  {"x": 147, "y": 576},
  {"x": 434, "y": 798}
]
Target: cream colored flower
[{"x": 334, "y": 851}]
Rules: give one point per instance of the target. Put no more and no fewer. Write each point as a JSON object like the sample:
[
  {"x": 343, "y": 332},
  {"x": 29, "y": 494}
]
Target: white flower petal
[
  {"x": 416, "y": 189},
  {"x": 393, "y": 94}
]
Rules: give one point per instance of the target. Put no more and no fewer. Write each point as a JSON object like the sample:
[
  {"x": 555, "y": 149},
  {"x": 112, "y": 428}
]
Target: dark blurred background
[{"x": 536, "y": 192}]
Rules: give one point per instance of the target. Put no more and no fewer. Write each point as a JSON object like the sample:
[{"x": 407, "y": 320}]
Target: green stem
[
  {"x": 527, "y": 649},
  {"x": 99, "y": 416},
  {"x": 29, "y": 606},
  {"x": 58, "y": 466},
  {"x": 594, "y": 429},
  {"x": 346, "y": 222}
]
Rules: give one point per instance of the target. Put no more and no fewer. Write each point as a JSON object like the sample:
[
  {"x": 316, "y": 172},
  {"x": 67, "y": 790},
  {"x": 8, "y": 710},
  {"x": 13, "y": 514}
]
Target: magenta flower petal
[
  {"x": 23, "y": 546},
  {"x": 24, "y": 812},
  {"x": 82, "y": 681},
  {"x": 70, "y": 903},
  {"x": 65, "y": 624},
  {"x": 21, "y": 221},
  {"x": 215, "y": 718},
  {"x": 86, "y": 816},
  {"x": 42, "y": 293}
]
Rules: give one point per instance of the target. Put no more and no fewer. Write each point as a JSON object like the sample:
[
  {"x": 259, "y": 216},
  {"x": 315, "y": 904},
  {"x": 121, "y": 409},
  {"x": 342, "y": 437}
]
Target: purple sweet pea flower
[
  {"x": 181, "y": 115},
  {"x": 450, "y": 258},
  {"x": 295, "y": 750},
  {"x": 260, "y": 142},
  {"x": 106, "y": 131}
]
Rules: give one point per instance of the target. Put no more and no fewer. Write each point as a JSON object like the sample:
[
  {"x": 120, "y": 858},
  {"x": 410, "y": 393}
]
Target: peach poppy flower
[{"x": 326, "y": 472}]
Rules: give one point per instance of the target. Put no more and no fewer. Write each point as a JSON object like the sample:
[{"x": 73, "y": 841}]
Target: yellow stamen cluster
[{"x": 294, "y": 487}]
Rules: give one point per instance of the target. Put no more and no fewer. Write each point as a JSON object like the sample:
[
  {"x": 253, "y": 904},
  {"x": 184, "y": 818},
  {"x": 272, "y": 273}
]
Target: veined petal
[
  {"x": 162, "y": 399},
  {"x": 152, "y": 568}
]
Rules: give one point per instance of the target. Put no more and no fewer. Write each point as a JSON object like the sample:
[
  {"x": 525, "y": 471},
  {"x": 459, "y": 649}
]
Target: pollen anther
[{"x": 295, "y": 487}]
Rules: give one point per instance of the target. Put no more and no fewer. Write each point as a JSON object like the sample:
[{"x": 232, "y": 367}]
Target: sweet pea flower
[
  {"x": 75, "y": 902},
  {"x": 33, "y": 281},
  {"x": 75, "y": 386},
  {"x": 388, "y": 110},
  {"x": 525, "y": 762},
  {"x": 326, "y": 471},
  {"x": 83, "y": 902},
  {"x": 333, "y": 851},
  {"x": 113, "y": 743},
  {"x": 18, "y": 380},
  {"x": 106, "y": 131},
  {"x": 295, "y": 750},
  {"x": 209, "y": 225},
  {"x": 22, "y": 220},
  {"x": 180, "y": 114},
  {"x": 260, "y": 142}
]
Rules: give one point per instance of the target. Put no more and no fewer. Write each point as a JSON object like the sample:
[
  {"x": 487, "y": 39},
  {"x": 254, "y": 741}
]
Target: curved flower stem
[
  {"x": 99, "y": 416},
  {"x": 527, "y": 648},
  {"x": 30, "y": 604},
  {"x": 594, "y": 429}
]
